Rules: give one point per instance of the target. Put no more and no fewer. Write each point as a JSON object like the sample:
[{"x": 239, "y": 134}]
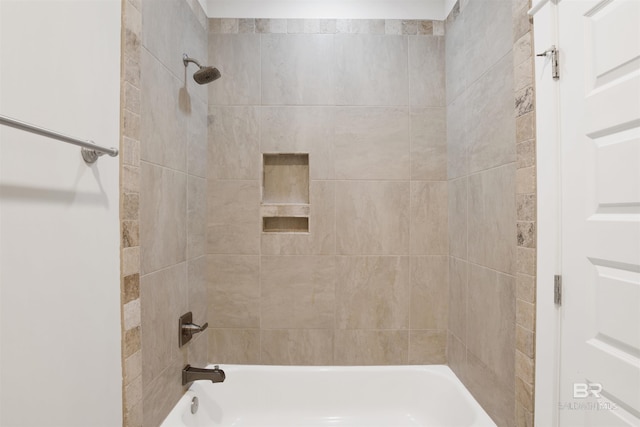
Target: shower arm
[{"x": 186, "y": 60}]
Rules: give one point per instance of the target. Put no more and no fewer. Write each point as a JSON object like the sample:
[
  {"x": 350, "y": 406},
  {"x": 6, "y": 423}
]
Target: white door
[{"x": 599, "y": 43}]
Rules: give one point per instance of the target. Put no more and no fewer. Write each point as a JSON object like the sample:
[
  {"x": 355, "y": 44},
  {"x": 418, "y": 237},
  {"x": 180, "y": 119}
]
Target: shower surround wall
[
  {"x": 164, "y": 151},
  {"x": 369, "y": 283},
  {"x": 491, "y": 152}
]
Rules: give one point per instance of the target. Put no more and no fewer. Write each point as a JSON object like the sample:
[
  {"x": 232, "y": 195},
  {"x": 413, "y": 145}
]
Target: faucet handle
[
  {"x": 193, "y": 328},
  {"x": 186, "y": 328}
]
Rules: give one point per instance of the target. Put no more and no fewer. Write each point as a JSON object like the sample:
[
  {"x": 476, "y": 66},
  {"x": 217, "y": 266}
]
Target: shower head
[{"x": 205, "y": 74}]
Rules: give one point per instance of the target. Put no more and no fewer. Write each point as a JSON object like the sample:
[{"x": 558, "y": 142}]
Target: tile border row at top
[{"x": 326, "y": 26}]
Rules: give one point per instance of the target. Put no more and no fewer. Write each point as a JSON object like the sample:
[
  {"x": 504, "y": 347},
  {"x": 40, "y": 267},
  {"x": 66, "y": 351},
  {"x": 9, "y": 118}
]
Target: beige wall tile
[
  {"x": 198, "y": 351},
  {"x": 427, "y": 71},
  {"x": 490, "y": 99},
  {"x": 297, "y": 292},
  {"x": 372, "y": 292},
  {"x": 429, "y": 223},
  {"x": 427, "y": 347},
  {"x": 197, "y": 289},
  {"x": 196, "y": 216},
  {"x": 233, "y": 291},
  {"x": 359, "y": 347},
  {"x": 233, "y": 223},
  {"x": 300, "y": 130},
  {"x": 296, "y": 69},
  {"x": 297, "y": 347},
  {"x": 457, "y": 356},
  {"x": 197, "y": 141},
  {"x": 492, "y": 219},
  {"x": 429, "y": 144},
  {"x": 491, "y": 317},
  {"x": 429, "y": 292},
  {"x": 372, "y": 218},
  {"x": 238, "y": 59},
  {"x": 496, "y": 397},
  {"x": 164, "y": 298},
  {"x": 455, "y": 56},
  {"x": 321, "y": 239},
  {"x": 459, "y": 133},
  {"x": 163, "y": 125},
  {"x": 238, "y": 346},
  {"x": 163, "y": 217},
  {"x": 234, "y": 143},
  {"x": 525, "y": 341},
  {"x": 372, "y": 143},
  {"x": 487, "y": 35},
  {"x": 458, "y": 279},
  {"x": 162, "y": 393},
  {"x": 365, "y": 61},
  {"x": 458, "y": 217}
]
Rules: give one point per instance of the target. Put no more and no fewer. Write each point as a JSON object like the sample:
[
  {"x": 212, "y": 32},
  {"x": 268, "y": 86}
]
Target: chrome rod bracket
[{"x": 554, "y": 54}]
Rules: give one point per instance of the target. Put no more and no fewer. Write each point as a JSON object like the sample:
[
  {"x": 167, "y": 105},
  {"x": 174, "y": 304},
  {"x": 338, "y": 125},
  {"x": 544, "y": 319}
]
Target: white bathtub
[{"x": 278, "y": 396}]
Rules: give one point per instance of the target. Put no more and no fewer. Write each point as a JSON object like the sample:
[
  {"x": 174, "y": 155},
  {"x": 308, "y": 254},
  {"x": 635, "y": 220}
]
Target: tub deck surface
[{"x": 354, "y": 396}]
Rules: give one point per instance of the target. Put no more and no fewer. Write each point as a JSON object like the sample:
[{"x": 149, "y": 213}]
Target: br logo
[{"x": 583, "y": 390}]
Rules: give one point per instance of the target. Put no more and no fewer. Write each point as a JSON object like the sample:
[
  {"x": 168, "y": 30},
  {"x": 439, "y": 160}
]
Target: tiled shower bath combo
[{"x": 349, "y": 192}]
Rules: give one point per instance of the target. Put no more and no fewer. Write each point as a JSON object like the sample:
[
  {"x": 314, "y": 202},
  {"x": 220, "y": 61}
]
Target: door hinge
[
  {"x": 555, "y": 61},
  {"x": 557, "y": 289}
]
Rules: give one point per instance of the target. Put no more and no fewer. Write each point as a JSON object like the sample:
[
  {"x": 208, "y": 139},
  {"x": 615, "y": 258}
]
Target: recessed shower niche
[{"x": 285, "y": 193}]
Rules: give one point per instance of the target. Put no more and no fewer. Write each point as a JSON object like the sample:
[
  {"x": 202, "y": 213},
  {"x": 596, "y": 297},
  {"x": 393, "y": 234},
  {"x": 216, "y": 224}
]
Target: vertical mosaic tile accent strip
[
  {"x": 523, "y": 63},
  {"x": 129, "y": 214}
]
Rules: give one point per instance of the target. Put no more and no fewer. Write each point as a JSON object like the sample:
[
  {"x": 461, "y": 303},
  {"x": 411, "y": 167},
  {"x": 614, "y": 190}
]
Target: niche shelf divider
[{"x": 285, "y": 193}]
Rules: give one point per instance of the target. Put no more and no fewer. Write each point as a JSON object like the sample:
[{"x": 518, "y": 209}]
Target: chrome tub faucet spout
[{"x": 191, "y": 374}]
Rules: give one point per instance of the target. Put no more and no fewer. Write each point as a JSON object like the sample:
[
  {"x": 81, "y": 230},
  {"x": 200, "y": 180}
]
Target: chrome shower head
[{"x": 205, "y": 74}]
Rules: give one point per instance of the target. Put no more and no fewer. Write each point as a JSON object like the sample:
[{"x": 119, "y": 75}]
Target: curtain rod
[{"x": 90, "y": 151}]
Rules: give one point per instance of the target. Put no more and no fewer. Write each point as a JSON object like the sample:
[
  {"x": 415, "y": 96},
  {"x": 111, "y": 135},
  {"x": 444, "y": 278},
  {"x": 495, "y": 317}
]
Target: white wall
[
  {"x": 59, "y": 230},
  {"x": 317, "y": 9}
]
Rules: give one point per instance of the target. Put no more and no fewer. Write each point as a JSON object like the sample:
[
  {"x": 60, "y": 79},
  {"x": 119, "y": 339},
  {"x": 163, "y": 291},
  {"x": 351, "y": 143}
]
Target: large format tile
[
  {"x": 163, "y": 296},
  {"x": 237, "y": 346},
  {"x": 162, "y": 125},
  {"x": 297, "y": 69},
  {"x": 427, "y": 347},
  {"x": 429, "y": 223},
  {"x": 296, "y": 347},
  {"x": 372, "y": 143},
  {"x": 458, "y": 278},
  {"x": 429, "y": 144},
  {"x": 362, "y": 347},
  {"x": 196, "y": 216},
  {"x": 197, "y": 292},
  {"x": 458, "y": 137},
  {"x": 371, "y": 69},
  {"x": 234, "y": 143},
  {"x": 455, "y": 58},
  {"x": 372, "y": 292},
  {"x": 429, "y": 292},
  {"x": 237, "y": 56},
  {"x": 492, "y": 219},
  {"x": 233, "y": 291},
  {"x": 321, "y": 238},
  {"x": 457, "y": 218},
  {"x": 163, "y": 217},
  {"x": 170, "y": 29},
  {"x": 297, "y": 292},
  {"x": 427, "y": 71},
  {"x": 300, "y": 130},
  {"x": 372, "y": 218},
  {"x": 491, "y": 320},
  {"x": 161, "y": 395},
  {"x": 487, "y": 26},
  {"x": 233, "y": 223},
  {"x": 493, "y": 130},
  {"x": 496, "y": 397},
  {"x": 197, "y": 140}
]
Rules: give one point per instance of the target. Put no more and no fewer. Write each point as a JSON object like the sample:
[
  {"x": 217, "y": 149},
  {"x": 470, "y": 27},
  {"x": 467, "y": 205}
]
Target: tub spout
[{"x": 191, "y": 374}]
